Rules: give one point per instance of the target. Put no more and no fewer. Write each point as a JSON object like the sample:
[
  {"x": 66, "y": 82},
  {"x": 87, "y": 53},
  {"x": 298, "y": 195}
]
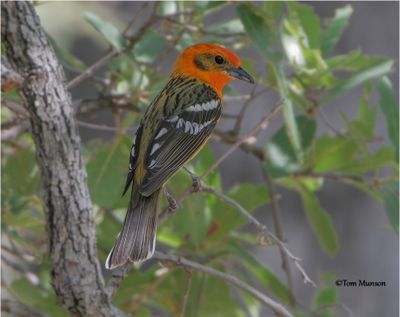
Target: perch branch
[
  {"x": 262, "y": 124},
  {"x": 277, "y": 308}
]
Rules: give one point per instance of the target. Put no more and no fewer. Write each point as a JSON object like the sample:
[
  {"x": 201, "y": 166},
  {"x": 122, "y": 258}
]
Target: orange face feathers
[{"x": 211, "y": 64}]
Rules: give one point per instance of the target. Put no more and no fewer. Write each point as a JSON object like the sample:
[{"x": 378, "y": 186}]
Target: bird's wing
[
  {"x": 177, "y": 139},
  {"x": 133, "y": 158}
]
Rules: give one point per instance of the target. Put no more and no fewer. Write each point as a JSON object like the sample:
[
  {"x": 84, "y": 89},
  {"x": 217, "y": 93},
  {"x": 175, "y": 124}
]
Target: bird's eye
[{"x": 219, "y": 59}]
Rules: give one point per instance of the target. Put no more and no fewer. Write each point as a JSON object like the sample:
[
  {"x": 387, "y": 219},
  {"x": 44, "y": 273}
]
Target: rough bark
[{"x": 76, "y": 271}]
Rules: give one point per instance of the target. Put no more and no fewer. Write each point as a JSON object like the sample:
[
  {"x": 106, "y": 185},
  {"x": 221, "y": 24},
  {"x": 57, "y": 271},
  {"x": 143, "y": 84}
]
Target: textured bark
[{"x": 76, "y": 271}]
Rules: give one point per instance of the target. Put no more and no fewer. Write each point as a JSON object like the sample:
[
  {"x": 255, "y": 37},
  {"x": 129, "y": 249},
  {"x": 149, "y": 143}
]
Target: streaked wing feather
[{"x": 176, "y": 146}]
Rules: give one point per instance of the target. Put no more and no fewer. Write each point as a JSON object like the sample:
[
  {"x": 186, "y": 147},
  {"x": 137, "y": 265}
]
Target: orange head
[{"x": 211, "y": 64}]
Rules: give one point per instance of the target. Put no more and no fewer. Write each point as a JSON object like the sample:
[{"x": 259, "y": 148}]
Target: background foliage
[{"x": 296, "y": 47}]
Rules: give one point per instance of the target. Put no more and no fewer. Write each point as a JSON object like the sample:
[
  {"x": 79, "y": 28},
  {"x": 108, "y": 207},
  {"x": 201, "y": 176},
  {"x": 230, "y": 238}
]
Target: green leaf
[
  {"x": 390, "y": 109},
  {"x": 309, "y": 22},
  {"x": 107, "y": 230},
  {"x": 149, "y": 47},
  {"x": 335, "y": 27},
  {"x": 207, "y": 7},
  {"x": 216, "y": 297},
  {"x": 325, "y": 300},
  {"x": 135, "y": 283},
  {"x": 391, "y": 203},
  {"x": 226, "y": 27},
  {"x": 257, "y": 28},
  {"x": 106, "y": 169},
  {"x": 354, "y": 61},
  {"x": 377, "y": 69},
  {"x": 364, "y": 125},
  {"x": 107, "y": 29},
  {"x": 343, "y": 155},
  {"x": 263, "y": 274},
  {"x": 20, "y": 173},
  {"x": 288, "y": 112},
  {"x": 281, "y": 157},
  {"x": 319, "y": 220},
  {"x": 383, "y": 157},
  {"x": 331, "y": 153},
  {"x": 33, "y": 296},
  {"x": 227, "y": 218}
]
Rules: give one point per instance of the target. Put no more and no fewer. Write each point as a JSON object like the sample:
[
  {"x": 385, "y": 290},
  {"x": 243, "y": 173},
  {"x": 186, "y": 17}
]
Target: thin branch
[
  {"x": 277, "y": 308},
  {"x": 199, "y": 296},
  {"x": 9, "y": 77},
  {"x": 370, "y": 182},
  {"x": 17, "y": 309},
  {"x": 252, "y": 220},
  {"x": 343, "y": 135},
  {"x": 337, "y": 305},
  {"x": 229, "y": 138},
  {"x": 116, "y": 52},
  {"x": 253, "y": 96},
  {"x": 102, "y": 127},
  {"x": 279, "y": 232},
  {"x": 263, "y": 123},
  {"x": 187, "y": 292},
  {"x": 262, "y": 231}
]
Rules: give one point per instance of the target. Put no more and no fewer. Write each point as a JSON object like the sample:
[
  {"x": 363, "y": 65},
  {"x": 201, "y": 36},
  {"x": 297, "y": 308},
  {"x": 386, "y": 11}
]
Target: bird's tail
[{"x": 137, "y": 239}]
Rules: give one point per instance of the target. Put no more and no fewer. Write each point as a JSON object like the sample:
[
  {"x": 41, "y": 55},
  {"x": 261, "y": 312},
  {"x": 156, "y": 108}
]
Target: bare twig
[
  {"x": 18, "y": 310},
  {"x": 277, "y": 308},
  {"x": 252, "y": 220},
  {"x": 337, "y": 305},
  {"x": 9, "y": 77},
  {"x": 263, "y": 232},
  {"x": 199, "y": 294},
  {"x": 187, "y": 292},
  {"x": 116, "y": 52},
  {"x": 253, "y": 96},
  {"x": 102, "y": 127},
  {"x": 279, "y": 232},
  {"x": 229, "y": 138},
  {"x": 263, "y": 123}
]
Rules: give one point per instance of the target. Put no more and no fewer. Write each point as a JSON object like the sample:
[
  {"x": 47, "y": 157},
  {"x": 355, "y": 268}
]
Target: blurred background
[{"x": 369, "y": 249}]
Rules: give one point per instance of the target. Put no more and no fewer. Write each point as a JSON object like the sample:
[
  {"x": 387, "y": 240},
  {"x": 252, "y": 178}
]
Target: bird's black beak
[{"x": 241, "y": 74}]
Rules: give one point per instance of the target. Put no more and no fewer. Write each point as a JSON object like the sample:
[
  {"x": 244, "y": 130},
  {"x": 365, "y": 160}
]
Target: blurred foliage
[{"x": 296, "y": 47}]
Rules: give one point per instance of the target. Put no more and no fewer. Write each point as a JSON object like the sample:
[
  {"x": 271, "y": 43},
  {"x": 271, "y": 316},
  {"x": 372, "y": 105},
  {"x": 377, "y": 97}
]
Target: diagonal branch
[
  {"x": 17, "y": 309},
  {"x": 249, "y": 137},
  {"x": 116, "y": 52},
  {"x": 277, "y": 308},
  {"x": 262, "y": 231}
]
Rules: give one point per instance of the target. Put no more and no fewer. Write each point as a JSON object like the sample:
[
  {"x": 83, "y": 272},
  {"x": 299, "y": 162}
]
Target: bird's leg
[
  {"x": 196, "y": 186},
  {"x": 172, "y": 203}
]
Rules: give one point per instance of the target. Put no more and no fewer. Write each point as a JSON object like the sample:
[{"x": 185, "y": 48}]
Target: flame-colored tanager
[{"x": 176, "y": 125}]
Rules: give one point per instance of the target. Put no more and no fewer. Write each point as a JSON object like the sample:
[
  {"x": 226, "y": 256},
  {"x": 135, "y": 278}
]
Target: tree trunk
[{"x": 76, "y": 271}]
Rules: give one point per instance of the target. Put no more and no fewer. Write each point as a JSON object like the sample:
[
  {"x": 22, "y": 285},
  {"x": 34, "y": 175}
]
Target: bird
[{"x": 174, "y": 128}]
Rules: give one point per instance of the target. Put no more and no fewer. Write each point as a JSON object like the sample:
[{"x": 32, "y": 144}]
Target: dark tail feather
[{"x": 137, "y": 239}]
